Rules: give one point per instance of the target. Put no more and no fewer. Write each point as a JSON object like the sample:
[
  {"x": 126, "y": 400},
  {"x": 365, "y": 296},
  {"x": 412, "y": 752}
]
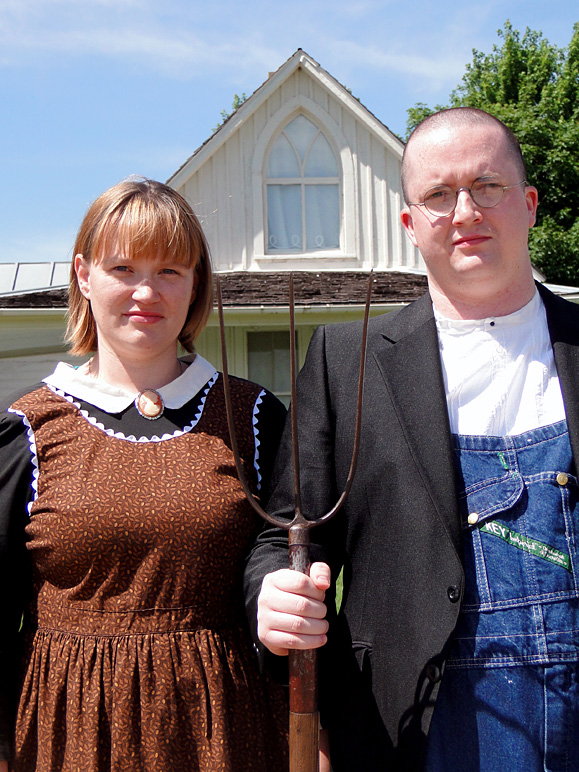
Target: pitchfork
[{"x": 304, "y": 718}]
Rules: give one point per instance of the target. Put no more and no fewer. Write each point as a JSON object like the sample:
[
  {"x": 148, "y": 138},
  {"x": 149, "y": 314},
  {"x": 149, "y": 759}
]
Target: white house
[{"x": 301, "y": 178}]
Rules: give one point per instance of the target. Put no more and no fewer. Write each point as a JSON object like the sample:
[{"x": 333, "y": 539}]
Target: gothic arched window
[{"x": 303, "y": 191}]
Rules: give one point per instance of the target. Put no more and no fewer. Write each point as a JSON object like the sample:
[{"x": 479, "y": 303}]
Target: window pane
[
  {"x": 283, "y": 161},
  {"x": 321, "y": 160},
  {"x": 281, "y": 363},
  {"x": 322, "y": 217},
  {"x": 269, "y": 361},
  {"x": 284, "y": 217},
  {"x": 301, "y": 132}
]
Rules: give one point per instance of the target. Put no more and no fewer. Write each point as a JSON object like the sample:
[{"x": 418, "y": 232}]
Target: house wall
[
  {"x": 31, "y": 341},
  {"x": 226, "y": 188}
]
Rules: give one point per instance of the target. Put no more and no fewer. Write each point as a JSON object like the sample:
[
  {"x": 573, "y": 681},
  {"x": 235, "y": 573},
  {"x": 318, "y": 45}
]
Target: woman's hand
[{"x": 291, "y": 610}]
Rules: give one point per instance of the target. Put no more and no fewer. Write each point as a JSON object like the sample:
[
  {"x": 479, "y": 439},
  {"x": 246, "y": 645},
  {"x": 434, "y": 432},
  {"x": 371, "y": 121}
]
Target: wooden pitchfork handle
[{"x": 304, "y": 717}]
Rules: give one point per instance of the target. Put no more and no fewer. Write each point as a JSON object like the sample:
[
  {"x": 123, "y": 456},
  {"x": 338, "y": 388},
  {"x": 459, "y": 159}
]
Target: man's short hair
[{"x": 462, "y": 116}]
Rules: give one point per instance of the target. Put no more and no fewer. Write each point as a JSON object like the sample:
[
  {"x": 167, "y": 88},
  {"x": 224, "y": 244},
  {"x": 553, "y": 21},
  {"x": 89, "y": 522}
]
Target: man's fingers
[
  {"x": 276, "y": 600},
  {"x": 281, "y": 643},
  {"x": 297, "y": 626},
  {"x": 282, "y": 632},
  {"x": 290, "y": 581},
  {"x": 291, "y": 612},
  {"x": 321, "y": 575}
]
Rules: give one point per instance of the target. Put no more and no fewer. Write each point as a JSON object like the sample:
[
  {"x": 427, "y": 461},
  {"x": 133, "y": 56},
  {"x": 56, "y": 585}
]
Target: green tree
[{"x": 533, "y": 87}]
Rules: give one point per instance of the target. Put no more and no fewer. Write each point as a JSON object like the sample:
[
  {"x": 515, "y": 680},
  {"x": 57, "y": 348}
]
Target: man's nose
[{"x": 466, "y": 207}]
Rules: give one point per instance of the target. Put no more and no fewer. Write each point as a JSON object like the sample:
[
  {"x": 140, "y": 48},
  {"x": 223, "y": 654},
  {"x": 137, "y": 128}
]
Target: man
[{"x": 456, "y": 644}]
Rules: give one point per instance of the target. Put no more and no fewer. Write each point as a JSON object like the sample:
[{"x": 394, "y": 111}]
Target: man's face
[{"x": 474, "y": 249}]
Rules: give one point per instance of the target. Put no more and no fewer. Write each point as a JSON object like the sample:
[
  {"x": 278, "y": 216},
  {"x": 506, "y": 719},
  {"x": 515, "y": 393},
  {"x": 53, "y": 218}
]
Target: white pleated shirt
[{"x": 499, "y": 373}]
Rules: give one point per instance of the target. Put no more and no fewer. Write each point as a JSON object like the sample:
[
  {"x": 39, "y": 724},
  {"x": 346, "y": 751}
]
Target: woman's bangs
[{"x": 141, "y": 231}]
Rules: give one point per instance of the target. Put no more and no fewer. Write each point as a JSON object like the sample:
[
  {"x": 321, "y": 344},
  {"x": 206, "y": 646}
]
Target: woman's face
[{"x": 139, "y": 306}]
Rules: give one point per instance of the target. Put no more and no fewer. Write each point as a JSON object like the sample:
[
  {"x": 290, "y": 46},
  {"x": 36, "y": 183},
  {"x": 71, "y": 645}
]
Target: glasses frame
[{"x": 469, "y": 191}]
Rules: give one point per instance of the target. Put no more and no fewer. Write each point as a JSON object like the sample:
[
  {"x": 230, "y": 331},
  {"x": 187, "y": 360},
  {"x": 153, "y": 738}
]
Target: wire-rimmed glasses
[{"x": 486, "y": 192}]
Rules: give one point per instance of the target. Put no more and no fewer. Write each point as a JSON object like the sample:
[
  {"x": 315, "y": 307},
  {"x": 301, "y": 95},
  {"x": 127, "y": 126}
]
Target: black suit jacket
[{"x": 398, "y": 536}]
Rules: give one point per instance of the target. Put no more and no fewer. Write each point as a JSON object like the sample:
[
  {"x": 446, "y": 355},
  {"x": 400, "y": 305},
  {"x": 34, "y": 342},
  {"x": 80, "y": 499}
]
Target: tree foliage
[
  {"x": 533, "y": 87},
  {"x": 225, "y": 114}
]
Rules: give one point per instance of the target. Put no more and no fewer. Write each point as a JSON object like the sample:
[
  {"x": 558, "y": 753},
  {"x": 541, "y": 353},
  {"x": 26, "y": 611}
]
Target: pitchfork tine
[
  {"x": 229, "y": 410},
  {"x": 353, "y": 463},
  {"x": 299, "y": 518},
  {"x": 294, "y": 404}
]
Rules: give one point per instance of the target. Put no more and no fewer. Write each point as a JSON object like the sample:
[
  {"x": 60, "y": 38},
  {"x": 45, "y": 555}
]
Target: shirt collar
[
  {"x": 528, "y": 313},
  {"x": 114, "y": 400}
]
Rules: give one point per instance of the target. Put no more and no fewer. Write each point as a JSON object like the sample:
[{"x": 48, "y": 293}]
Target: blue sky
[{"x": 92, "y": 91}]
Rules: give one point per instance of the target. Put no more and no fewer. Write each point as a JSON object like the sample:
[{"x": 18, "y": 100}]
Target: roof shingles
[{"x": 246, "y": 289}]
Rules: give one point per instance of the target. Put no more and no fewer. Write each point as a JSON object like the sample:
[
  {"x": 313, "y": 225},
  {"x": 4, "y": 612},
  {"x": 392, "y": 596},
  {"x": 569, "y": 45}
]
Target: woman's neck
[{"x": 135, "y": 376}]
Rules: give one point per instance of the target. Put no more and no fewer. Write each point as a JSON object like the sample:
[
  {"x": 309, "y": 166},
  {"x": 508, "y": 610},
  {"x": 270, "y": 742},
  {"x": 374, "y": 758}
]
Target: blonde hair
[{"x": 143, "y": 217}]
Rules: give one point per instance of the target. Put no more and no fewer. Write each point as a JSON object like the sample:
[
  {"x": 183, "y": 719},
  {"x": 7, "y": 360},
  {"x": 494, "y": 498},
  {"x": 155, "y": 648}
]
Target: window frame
[
  {"x": 303, "y": 182},
  {"x": 346, "y": 252}
]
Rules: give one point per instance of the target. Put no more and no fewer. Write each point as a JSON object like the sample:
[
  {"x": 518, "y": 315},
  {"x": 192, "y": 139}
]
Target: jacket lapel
[
  {"x": 563, "y": 321},
  {"x": 408, "y": 358}
]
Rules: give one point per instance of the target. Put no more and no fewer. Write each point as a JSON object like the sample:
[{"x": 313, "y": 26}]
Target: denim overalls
[{"x": 509, "y": 698}]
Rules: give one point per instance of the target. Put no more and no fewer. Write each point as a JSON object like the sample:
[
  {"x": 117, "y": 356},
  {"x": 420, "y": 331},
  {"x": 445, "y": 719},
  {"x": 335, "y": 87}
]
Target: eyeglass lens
[{"x": 442, "y": 200}]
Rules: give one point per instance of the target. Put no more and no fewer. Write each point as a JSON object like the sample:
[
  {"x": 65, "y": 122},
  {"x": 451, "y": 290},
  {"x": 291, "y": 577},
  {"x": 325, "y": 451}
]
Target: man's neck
[{"x": 476, "y": 306}]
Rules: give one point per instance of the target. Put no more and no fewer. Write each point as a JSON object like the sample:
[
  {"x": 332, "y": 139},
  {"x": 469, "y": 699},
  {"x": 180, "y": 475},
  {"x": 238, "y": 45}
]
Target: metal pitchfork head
[{"x": 304, "y": 719}]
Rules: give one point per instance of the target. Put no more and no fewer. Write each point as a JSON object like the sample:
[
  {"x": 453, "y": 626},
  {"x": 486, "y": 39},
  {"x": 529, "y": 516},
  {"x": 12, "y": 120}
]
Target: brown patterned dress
[{"x": 137, "y": 654}]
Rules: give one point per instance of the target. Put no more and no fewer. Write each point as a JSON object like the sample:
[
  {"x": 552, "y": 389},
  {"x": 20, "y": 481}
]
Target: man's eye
[
  {"x": 487, "y": 185},
  {"x": 437, "y": 195}
]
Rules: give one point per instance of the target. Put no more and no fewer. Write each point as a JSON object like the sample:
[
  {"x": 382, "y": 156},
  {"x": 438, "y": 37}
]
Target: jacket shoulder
[{"x": 390, "y": 323}]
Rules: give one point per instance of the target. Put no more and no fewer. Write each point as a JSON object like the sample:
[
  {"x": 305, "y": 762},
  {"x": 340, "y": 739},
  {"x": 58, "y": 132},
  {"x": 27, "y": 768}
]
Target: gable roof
[{"x": 299, "y": 60}]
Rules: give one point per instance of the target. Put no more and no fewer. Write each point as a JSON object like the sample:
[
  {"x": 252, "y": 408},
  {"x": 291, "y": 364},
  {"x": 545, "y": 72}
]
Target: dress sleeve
[{"x": 16, "y": 475}]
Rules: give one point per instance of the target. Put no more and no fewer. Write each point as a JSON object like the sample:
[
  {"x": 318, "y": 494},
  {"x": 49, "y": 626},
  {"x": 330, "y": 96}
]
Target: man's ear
[
  {"x": 408, "y": 224},
  {"x": 81, "y": 268},
  {"x": 532, "y": 199}
]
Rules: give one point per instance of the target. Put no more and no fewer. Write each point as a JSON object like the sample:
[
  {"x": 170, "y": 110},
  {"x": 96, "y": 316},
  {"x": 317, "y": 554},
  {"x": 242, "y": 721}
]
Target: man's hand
[{"x": 291, "y": 610}]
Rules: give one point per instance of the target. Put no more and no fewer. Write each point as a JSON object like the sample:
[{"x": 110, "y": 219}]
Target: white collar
[
  {"x": 113, "y": 400},
  {"x": 528, "y": 313}
]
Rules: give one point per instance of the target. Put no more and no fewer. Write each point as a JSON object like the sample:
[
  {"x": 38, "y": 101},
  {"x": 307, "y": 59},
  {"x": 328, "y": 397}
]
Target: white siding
[{"x": 226, "y": 191}]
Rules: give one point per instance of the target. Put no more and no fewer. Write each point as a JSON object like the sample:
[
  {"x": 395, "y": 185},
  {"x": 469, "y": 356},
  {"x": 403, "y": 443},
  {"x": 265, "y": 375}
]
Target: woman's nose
[{"x": 145, "y": 291}]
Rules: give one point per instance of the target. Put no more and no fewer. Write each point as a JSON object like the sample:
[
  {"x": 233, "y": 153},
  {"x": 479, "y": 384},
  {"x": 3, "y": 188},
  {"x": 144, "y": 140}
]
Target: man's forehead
[
  {"x": 442, "y": 152},
  {"x": 472, "y": 139}
]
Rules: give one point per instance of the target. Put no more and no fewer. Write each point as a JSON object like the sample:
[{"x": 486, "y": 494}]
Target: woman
[{"x": 123, "y": 527}]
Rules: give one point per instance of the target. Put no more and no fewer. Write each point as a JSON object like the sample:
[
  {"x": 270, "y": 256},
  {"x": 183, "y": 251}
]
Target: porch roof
[{"x": 243, "y": 289}]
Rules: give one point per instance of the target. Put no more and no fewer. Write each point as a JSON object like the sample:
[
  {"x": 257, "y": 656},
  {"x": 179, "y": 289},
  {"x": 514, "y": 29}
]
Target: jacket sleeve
[{"x": 16, "y": 475}]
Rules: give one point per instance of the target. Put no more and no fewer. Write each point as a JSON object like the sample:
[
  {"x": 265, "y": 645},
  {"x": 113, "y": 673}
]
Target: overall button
[
  {"x": 453, "y": 593},
  {"x": 433, "y": 673},
  {"x": 473, "y": 518},
  {"x": 562, "y": 478}
]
